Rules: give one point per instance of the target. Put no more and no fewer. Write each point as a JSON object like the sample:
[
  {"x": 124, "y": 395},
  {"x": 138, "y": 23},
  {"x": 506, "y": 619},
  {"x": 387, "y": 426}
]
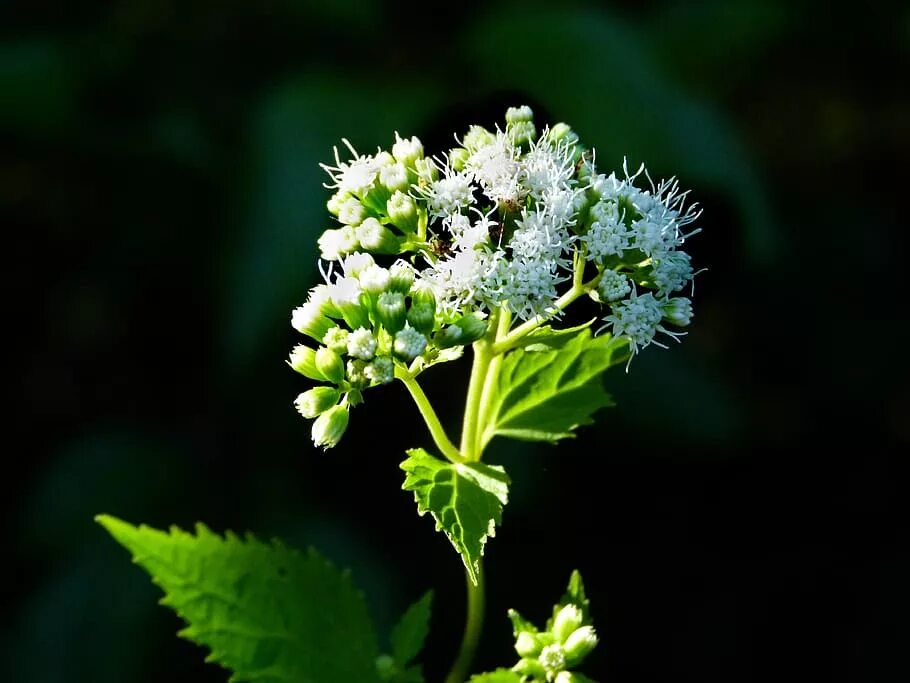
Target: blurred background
[{"x": 736, "y": 517}]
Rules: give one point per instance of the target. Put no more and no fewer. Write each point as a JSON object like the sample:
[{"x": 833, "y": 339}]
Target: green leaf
[
  {"x": 545, "y": 395},
  {"x": 269, "y": 613},
  {"x": 545, "y": 337},
  {"x": 465, "y": 499},
  {"x": 498, "y": 676},
  {"x": 519, "y": 623},
  {"x": 411, "y": 630}
]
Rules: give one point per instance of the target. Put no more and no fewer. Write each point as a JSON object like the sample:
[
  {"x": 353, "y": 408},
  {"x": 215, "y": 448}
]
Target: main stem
[{"x": 472, "y": 628}]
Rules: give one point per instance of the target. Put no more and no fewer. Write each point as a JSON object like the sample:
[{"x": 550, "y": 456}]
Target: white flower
[
  {"x": 547, "y": 168},
  {"x": 351, "y": 211},
  {"x": 638, "y": 318},
  {"x": 529, "y": 287},
  {"x": 672, "y": 271},
  {"x": 354, "y": 263},
  {"x": 345, "y": 291},
  {"x": 355, "y": 176},
  {"x": 394, "y": 177},
  {"x": 361, "y": 344},
  {"x": 409, "y": 343},
  {"x": 334, "y": 244},
  {"x": 448, "y": 195},
  {"x": 407, "y": 151},
  {"x": 374, "y": 279},
  {"x": 539, "y": 236},
  {"x": 380, "y": 371},
  {"x": 496, "y": 168},
  {"x": 613, "y": 286},
  {"x": 607, "y": 235}
]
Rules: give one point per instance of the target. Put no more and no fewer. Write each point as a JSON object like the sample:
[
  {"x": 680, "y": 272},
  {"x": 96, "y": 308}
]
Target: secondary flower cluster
[
  {"x": 549, "y": 655},
  {"x": 510, "y": 219},
  {"x": 367, "y": 318}
]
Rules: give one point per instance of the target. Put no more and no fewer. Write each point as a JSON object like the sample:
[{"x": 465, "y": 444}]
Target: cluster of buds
[
  {"x": 551, "y": 654},
  {"x": 367, "y": 319}
]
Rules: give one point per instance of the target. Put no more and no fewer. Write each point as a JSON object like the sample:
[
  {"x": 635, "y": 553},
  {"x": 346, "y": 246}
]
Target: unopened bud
[
  {"x": 519, "y": 114},
  {"x": 422, "y": 317},
  {"x": 562, "y": 131},
  {"x": 381, "y": 370},
  {"x": 566, "y": 621},
  {"x": 309, "y": 320},
  {"x": 571, "y": 677},
  {"x": 352, "y": 212},
  {"x": 335, "y": 244},
  {"x": 426, "y": 170},
  {"x": 335, "y": 201},
  {"x": 316, "y": 401},
  {"x": 303, "y": 360},
  {"x": 336, "y": 339},
  {"x": 458, "y": 157},
  {"x": 472, "y": 327},
  {"x": 356, "y": 375},
  {"x": 330, "y": 365},
  {"x": 476, "y": 138},
  {"x": 402, "y": 276},
  {"x": 394, "y": 178},
  {"x": 521, "y": 132},
  {"x": 409, "y": 343},
  {"x": 678, "y": 311},
  {"x": 407, "y": 151},
  {"x": 330, "y": 427},
  {"x": 530, "y": 668},
  {"x": 580, "y": 644},
  {"x": 526, "y": 645},
  {"x": 361, "y": 344},
  {"x": 374, "y": 280},
  {"x": 552, "y": 658},
  {"x": 402, "y": 209},
  {"x": 390, "y": 310}
]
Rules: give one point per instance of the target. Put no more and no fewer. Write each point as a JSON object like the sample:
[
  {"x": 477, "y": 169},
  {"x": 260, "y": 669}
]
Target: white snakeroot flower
[
  {"x": 678, "y": 311},
  {"x": 374, "y": 279},
  {"x": 361, "y": 344},
  {"x": 613, "y": 286},
  {"x": 345, "y": 291},
  {"x": 552, "y": 658},
  {"x": 672, "y": 271},
  {"x": 357, "y": 175},
  {"x": 351, "y": 211},
  {"x": 607, "y": 235},
  {"x": 547, "y": 167},
  {"x": 459, "y": 280},
  {"x": 335, "y": 244},
  {"x": 529, "y": 287},
  {"x": 356, "y": 263},
  {"x": 406, "y": 150},
  {"x": 539, "y": 236},
  {"x": 448, "y": 195},
  {"x": 394, "y": 177},
  {"x": 638, "y": 318},
  {"x": 305, "y": 316},
  {"x": 496, "y": 168}
]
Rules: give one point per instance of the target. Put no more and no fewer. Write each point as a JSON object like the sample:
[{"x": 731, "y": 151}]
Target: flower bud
[
  {"x": 613, "y": 286},
  {"x": 316, "y": 401},
  {"x": 458, "y": 157},
  {"x": 476, "y": 138},
  {"x": 383, "y": 159},
  {"x": 361, "y": 344},
  {"x": 374, "y": 280},
  {"x": 394, "y": 178},
  {"x": 402, "y": 209},
  {"x": 303, "y": 360},
  {"x": 356, "y": 374},
  {"x": 526, "y": 645},
  {"x": 351, "y": 211},
  {"x": 381, "y": 370},
  {"x": 330, "y": 364},
  {"x": 390, "y": 311},
  {"x": 336, "y": 339},
  {"x": 402, "y": 277},
  {"x": 530, "y": 668},
  {"x": 309, "y": 320},
  {"x": 335, "y": 201},
  {"x": 571, "y": 677},
  {"x": 422, "y": 317},
  {"x": 374, "y": 236},
  {"x": 426, "y": 170},
  {"x": 580, "y": 644},
  {"x": 678, "y": 311},
  {"x": 552, "y": 658},
  {"x": 409, "y": 343},
  {"x": 472, "y": 328},
  {"x": 407, "y": 151},
  {"x": 566, "y": 621},
  {"x": 449, "y": 336},
  {"x": 562, "y": 131},
  {"x": 334, "y": 244},
  {"x": 521, "y": 132},
  {"x": 519, "y": 114},
  {"x": 330, "y": 427}
]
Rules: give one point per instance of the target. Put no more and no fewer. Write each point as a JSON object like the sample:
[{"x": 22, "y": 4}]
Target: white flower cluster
[{"x": 508, "y": 219}]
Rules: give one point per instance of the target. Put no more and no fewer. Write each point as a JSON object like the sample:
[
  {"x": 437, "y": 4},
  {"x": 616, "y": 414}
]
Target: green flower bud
[
  {"x": 409, "y": 343},
  {"x": 374, "y": 236},
  {"x": 330, "y": 365},
  {"x": 571, "y": 677},
  {"x": 309, "y": 320},
  {"x": 402, "y": 277},
  {"x": 316, "y": 401},
  {"x": 390, "y": 311},
  {"x": 526, "y": 645},
  {"x": 426, "y": 170},
  {"x": 678, "y": 311},
  {"x": 303, "y": 360},
  {"x": 472, "y": 327},
  {"x": 476, "y": 138},
  {"x": 562, "y": 131},
  {"x": 530, "y": 668},
  {"x": 394, "y": 178},
  {"x": 330, "y": 427},
  {"x": 381, "y": 370},
  {"x": 356, "y": 375},
  {"x": 519, "y": 114},
  {"x": 579, "y": 644},
  {"x": 458, "y": 157},
  {"x": 566, "y": 621},
  {"x": 521, "y": 132},
  {"x": 449, "y": 336},
  {"x": 422, "y": 317},
  {"x": 402, "y": 209},
  {"x": 407, "y": 151},
  {"x": 336, "y": 339}
]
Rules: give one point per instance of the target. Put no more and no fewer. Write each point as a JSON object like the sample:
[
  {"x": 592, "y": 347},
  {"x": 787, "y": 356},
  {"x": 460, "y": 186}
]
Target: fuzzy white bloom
[
  {"x": 374, "y": 279},
  {"x": 357, "y": 175},
  {"x": 448, "y": 195},
  {"x": 354, "y": 264},
  {"x": 361, "y": 344},
  {"x": 496, "y": 168},
  {"x": 345, "y": 291},
  {"x": 672, "y": 271},
  {"x": 607, "y": 235},
  {"x": 380, "y": 370},
  {"x": 638, "y": 318},
  {"x": 547, "y": 168},
  {"x": 303, "y": 317}
]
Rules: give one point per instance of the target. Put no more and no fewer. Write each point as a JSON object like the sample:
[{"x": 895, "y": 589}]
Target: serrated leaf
[
  {"x": 498, "y": 676},
  {"x": 546, "y": 395},
  {"x": 520, "y": 624},
  {"x": 465, "y": 499},
  {"x": 411, "y": 630},
  {"x": 545, "y": 337},
  {"x": 269, "y": 613}
]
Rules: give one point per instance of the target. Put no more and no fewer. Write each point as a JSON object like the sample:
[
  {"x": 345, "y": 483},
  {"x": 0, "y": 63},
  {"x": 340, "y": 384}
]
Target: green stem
[
  {"x": 472, "y": 629},
  {"x": 440, "y": 438},
  {"x": 489, "y": 385},
  {"x": 482, "y": 358},
  {"x": 511, "y": 340}
]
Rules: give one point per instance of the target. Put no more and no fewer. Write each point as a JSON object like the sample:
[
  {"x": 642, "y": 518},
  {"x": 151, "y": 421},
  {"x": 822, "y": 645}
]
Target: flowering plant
[{"x": 485, "y": 246}]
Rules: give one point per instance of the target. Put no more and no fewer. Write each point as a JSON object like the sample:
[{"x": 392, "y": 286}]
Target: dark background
[{"x": 736, "y": 517}]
